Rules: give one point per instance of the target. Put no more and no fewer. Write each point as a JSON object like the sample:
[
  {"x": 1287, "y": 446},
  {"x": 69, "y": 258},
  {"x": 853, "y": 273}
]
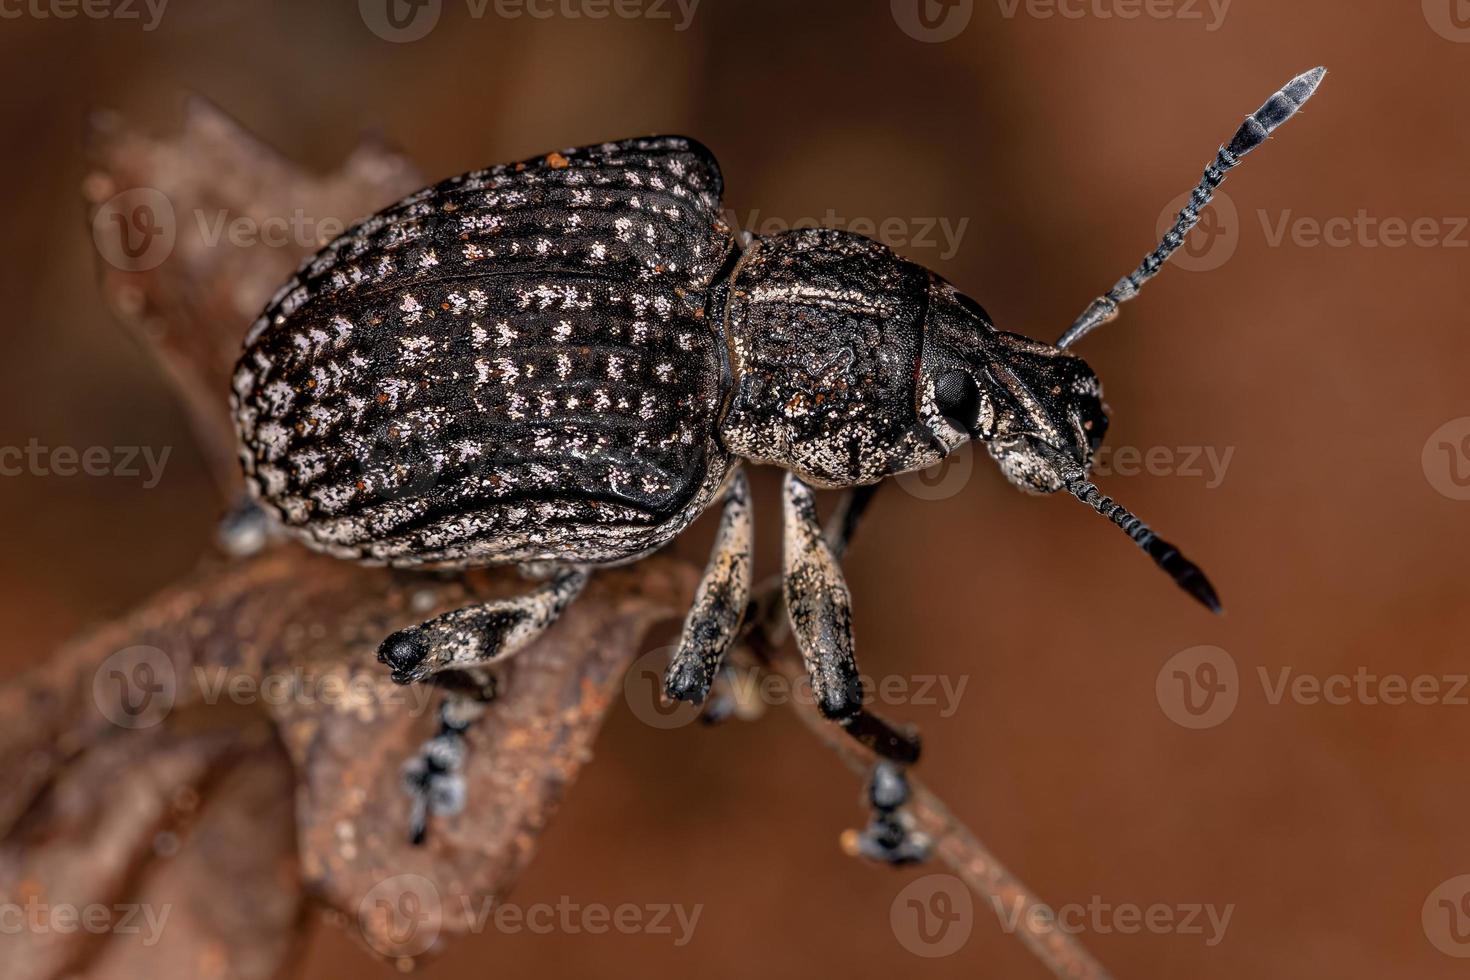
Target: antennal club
[
  {"x": 1252, "y": 133},
  {"x": 1185, "y": 573}
]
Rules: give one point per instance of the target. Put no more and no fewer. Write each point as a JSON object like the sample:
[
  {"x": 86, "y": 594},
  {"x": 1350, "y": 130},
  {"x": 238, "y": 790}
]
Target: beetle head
[
  {"x": 1037, "y": 408},
  {"x": 1031, "y": 404}
]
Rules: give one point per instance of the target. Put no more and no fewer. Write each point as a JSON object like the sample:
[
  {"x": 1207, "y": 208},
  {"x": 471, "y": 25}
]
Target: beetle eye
[{"x": 958, "y": 399}]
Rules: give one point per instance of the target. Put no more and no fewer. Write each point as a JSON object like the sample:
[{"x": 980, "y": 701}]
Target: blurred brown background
[{"x": 1053, "y": 135}]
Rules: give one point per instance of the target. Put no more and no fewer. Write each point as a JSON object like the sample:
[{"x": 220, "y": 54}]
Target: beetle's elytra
[{"x": 561, "y": 363}]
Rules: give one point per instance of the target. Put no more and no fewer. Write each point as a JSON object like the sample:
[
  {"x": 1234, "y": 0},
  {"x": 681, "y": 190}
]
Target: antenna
[
  {"x": 1252, "y": 133},
  {"x": 1185, "y": 573}
]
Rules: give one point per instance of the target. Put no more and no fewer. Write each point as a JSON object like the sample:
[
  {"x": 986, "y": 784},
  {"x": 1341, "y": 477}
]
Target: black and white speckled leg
[
  {"x": 820, "y": 610},
  {"x": 719, "y": 604},
  {"x": 434, "y": 778},
  {"x": 481, "y": 634},
  {"x": 818, "y": 605},
  {"x": 845, "y": 519}
]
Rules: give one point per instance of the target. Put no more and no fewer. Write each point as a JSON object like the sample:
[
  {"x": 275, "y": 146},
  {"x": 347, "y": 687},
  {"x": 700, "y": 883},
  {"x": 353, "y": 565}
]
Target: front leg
[
  {"x": 820, "y": 610},
  {"x": 478, "y": 635},
  {"x": 719, "y": 604},
  {"x": 818, "y": 605}
]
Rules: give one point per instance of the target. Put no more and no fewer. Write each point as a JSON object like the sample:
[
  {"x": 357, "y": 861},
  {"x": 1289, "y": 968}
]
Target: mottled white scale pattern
[{"x": 515, "y": 365}]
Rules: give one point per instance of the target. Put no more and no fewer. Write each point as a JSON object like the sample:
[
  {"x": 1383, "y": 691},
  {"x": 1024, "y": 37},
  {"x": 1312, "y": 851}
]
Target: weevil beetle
[{"x": 561, "y": 363}]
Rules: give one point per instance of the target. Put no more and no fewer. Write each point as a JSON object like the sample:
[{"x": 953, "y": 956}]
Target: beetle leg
[
  {"x": 818, "y": 605},
  {"x": 890, "y": 836},
  {"x": 481, "y": 634},
  {"x": 245, "y": 529},
  {"x": 434, "y": 777},
  {"x": 719, "y": 604},
  {"x": 844, "y": 520},
  {"x": 820, "y": 610},
  {"x": 766, "y": 610}
]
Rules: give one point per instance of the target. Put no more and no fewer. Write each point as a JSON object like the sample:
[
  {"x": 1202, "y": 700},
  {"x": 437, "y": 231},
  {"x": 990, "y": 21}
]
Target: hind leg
[
  {"x": 434, "y": 777},
  {"x": 478, "y": 635}
]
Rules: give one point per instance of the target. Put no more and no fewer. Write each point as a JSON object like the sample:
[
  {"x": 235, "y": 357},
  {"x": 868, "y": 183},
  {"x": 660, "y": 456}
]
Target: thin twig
[{"x": 954, "y": 844}]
